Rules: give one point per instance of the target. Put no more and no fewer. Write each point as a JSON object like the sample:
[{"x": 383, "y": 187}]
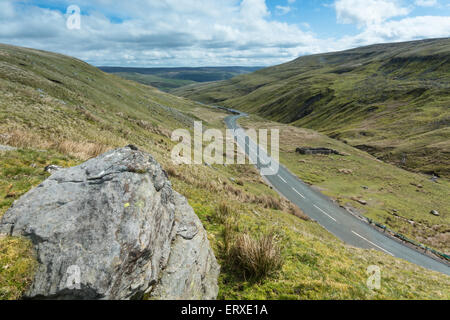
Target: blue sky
[
  {"x": 321, "y": 15},
  {"x": 216, "y": 32}
]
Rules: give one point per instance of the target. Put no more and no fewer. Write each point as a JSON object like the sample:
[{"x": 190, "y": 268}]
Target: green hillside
[
  {"x": 164, "y": 84},
  {"x": 392, "y": 100},
  {"x": 58, "y": 110},
  {"x": 167, "y": 79}
]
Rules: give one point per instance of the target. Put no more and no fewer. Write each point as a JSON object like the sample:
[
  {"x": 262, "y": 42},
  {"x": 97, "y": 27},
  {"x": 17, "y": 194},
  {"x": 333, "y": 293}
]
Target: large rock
[
  {"x": 325, "y": 151},
  {"x": 435, "y": 213},
  {"x": 113, "y": 228}
]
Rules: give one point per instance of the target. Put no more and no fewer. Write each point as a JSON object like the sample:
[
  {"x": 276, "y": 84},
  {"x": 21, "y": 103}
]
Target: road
[{"x": 333, "y": 218}]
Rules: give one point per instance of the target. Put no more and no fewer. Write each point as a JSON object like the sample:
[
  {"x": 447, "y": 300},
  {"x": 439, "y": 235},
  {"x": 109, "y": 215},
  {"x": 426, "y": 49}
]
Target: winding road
[{"x": 317, "y": 206}]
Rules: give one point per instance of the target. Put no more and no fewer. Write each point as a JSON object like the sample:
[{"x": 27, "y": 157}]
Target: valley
[
  {"x": 57, "y": 110},
  {"x": 167, "y": 79},
  {"x": 391, "y": 100}
]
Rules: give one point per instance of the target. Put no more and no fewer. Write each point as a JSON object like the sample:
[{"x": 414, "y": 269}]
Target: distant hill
[
  {"x": 171, "y": 78},
  {"x": 392, "y": 100}
]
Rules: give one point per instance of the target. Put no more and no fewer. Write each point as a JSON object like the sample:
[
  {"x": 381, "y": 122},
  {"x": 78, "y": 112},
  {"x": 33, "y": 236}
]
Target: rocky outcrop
[
  {"x": 325, "y": 151},
  {"x": 113, "y": 228}
]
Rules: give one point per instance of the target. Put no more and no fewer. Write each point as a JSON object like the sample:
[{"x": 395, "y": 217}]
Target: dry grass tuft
[
  {"x": 233, "y": 192},
  {"x": 81, "y": 150},
  {"x": 257, "y": 258},
  {"x": 23, "y": 139},
  {"x": 224, "y": 212},
  {"x": 269, "y": 202},
  {"x": 230, "y": 228},
  {"x": 172, "y": 172},
  {"x": 296, "y": 211}
]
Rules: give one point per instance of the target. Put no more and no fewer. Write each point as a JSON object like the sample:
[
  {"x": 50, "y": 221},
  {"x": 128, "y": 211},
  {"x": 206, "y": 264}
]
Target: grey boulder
[
  {"x": 435, "y": 213},
  {"x": 113, "y": 228}
]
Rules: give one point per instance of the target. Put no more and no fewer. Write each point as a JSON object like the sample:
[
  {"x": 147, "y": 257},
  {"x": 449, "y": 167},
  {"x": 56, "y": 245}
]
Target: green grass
[
  {"x": 23, "y": 169},
  {"x": 17, "y": 266},
  {"x": 161, "y": 83},
  {"x": 391, "y": 100},
  {"x": 101, "y": 111}
]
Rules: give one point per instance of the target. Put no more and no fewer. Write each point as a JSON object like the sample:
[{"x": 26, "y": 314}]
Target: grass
[
  {"x": 316, "y": 264},
  {"x": 224, "y": 213},
  {"x": 109, "y": 112},
  {"x": 256, "y": 258},
  {"x": 390, "y": 100},
  {"x": 17, "y": 266},
  {"x": 161, "y": 83},
  {"x": 22, "y": 170}
]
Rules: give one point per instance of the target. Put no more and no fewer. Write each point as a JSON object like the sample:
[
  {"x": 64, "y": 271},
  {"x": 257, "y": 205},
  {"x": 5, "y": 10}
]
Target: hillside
[
  {"x": 391, "y": 100},
  {"x": 59, "y": 110},
  {"x": 167, "y": 79}
]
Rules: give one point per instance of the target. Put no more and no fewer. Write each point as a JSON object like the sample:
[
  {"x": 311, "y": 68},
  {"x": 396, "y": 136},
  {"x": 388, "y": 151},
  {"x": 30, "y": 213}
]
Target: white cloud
[
  {"x": 282, "y": 10},
  {"x": 406, "y": 29},
  {"x": 426, "y": 3},
  {"x": 411, "y": 28},
  {"x": 375, "y": 18},
  {"x": 368, "y": 12},
  {"x": 154, "y": 32},
  {"x": 6, "y": 10},
  {"x": 201, "y": 32},
  {"x": 254, "y": 9}
]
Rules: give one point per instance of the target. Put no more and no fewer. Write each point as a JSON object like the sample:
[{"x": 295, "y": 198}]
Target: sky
[{"x": 193, "y": 33}]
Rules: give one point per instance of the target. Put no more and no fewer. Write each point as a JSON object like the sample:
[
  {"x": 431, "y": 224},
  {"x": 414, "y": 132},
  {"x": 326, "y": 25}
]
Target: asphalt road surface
[{"x": 335, "y": 219}]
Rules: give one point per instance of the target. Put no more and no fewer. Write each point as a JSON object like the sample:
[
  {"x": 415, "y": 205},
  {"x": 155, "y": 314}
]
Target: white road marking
[
  {"x": 299, "y": 193},
  {"x": 282, "y": 179},
  {"x": 326, "y": 213},
  {"x": 373, "y": 243}
]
